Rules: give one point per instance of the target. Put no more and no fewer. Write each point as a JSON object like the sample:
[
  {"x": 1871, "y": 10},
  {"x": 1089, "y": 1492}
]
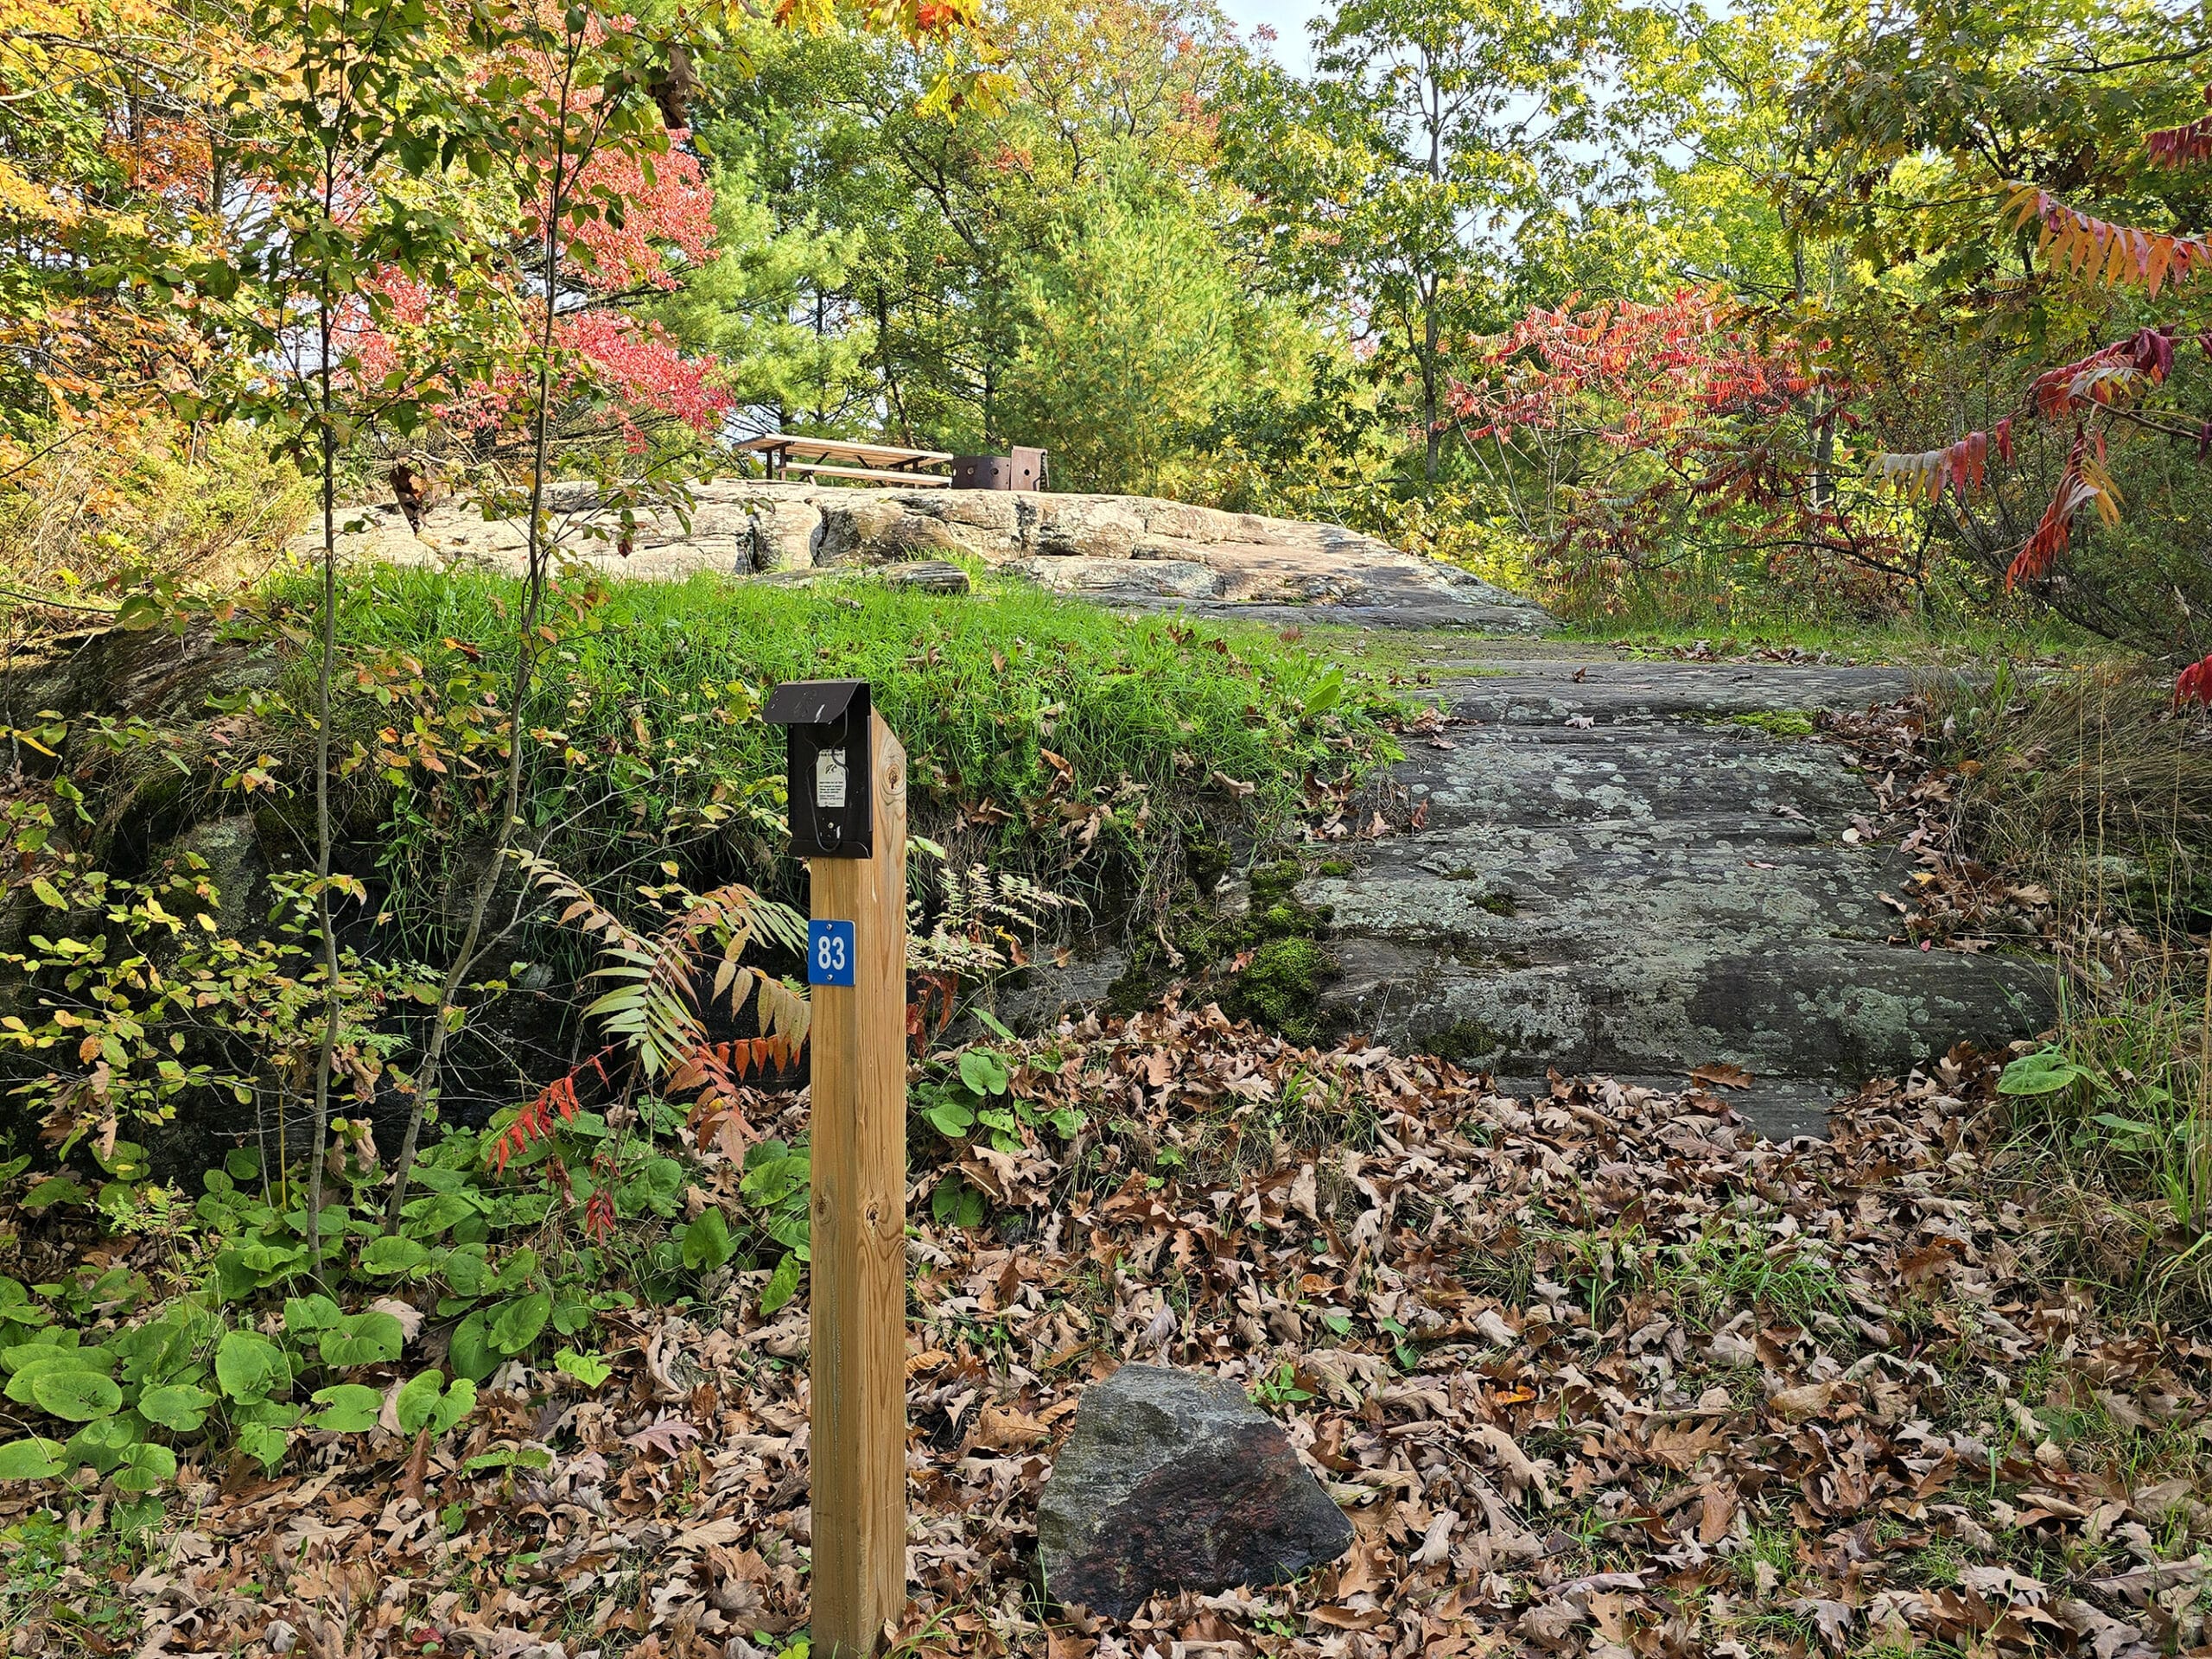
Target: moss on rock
[
  {"x": 1280, "y": 987},
  {"x": 1468, "y": 1042}
]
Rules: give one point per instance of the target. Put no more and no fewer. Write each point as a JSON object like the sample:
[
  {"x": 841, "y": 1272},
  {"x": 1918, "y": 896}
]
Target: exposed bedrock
[
  {"x": 1135, "y": 551},
  {"x": 1620, "y": 875}
]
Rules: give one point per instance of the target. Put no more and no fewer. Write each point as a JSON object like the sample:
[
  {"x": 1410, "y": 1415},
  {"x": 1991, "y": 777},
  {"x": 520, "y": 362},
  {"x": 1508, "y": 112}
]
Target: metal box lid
[{"x": 812, "y": 702}]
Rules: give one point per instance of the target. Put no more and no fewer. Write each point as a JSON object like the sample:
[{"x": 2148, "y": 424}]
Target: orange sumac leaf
[
  {"x": 2116, "y": 256},
  {"x": 2085, "y": 483}
]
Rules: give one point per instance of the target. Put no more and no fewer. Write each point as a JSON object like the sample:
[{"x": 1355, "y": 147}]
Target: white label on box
[{"x": 830, "y": 778}]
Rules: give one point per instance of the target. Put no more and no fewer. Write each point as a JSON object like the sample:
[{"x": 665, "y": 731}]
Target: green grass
[
  {"x": 1956, "y": 639},
  {"x": 2089, "y": 785},
  {"x": 1039, "y": 732},
  {"x": 1725, "y": 1271},
  {"x": 1953, "y": 637},
  {"x": 71, "y": 1584}
]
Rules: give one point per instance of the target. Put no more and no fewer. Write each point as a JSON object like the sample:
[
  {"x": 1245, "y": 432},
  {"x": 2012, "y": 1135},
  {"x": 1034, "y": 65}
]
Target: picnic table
[{"x": 784, "y": 455}]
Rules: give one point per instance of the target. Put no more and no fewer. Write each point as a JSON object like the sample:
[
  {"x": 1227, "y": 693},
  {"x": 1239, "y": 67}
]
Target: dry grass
[
  {"x": 127, "y": 499},
  {"x": 2091, "y": 782}
]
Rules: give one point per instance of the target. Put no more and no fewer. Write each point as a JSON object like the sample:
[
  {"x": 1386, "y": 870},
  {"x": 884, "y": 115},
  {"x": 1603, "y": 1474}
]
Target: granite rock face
[
  {"x": 1134, "y": 552},
  {"x": 1621, "y": 867},
  {"x": 1172, "y": 1479}
]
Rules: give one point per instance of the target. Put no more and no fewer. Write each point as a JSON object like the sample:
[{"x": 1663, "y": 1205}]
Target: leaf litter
[{"x": 1599, "y": 1372}]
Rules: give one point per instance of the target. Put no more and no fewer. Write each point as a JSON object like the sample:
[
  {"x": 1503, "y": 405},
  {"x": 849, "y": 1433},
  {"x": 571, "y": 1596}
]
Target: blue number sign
[{"x": 829, "y": 953}]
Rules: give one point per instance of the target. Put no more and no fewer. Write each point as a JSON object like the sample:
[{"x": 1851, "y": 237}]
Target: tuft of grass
[
  {"x": 1723, "y": 1273},
  {"x": 1954, "y": 637},
  {"x": 71, "y": 1583},
  {"x": 2092, "y": 784},
  {"x": 2088, "y": 780}
]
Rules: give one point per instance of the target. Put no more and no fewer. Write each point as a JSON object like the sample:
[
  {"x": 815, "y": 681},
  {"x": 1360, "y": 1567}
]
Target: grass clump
[
  {"x": 1040, "y": 733},
  {"x": 2091, "y": 784},
  {"x": 2090, "y": 781}
]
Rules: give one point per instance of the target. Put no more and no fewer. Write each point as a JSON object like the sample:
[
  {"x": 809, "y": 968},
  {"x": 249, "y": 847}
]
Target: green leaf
[
  {"x": 265, "y": 1441},
  {"x": 516, "y": 1325},
  {"x": 571, "y": 1312},
  {"x": 1326, "y": 694},
  {"x": 136, "y": 1517},
  {"x": 466, "y": 1270},
  {"x": 417, "y": 1400},
  {"x": 391, "y": 1256},
  {"x": 164, "y": 1348},
  {"x": 957, "y": 1204},
  {"x": 242, "y": 1163},
  {"x": 783, "y": 1285},
  {"x": 707, "y": 1243},
  {"x": 460, "y": 1400},
  {"x": 59, "y": 1189},
  {"x": 590, "y": 1370},
  {"x": 31, "y": 1356},
  {"x": 515, "y": 1272},
  {"x": 102, "y": 1443},
  {"x": 951, "y": 1119},
  {"x": 2044, "y": 1072},
  {"x": 76, "y": 1396},
  {"x": 509, "y": 1457},
  {"x": 34, "y": 1459},
  {"x": 347, "y": 1408},
  {"x": 471, "y": 1353},
  {"x": 366, "y": 1338},
  {"x": 178, "y": 1406},
  {"x": 656, "y": 1187},
  {"x": 983, "y": 1071},
  {"x": 774, "y": 1174},
  {"x": 249, "y": 1367},
  {"x": 305, "y": 1315},
  {"x": 142, "y": 1467}
]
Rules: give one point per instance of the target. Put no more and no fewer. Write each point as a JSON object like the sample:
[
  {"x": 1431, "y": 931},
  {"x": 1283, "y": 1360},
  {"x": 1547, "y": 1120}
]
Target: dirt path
[{"x": 1635, "y": 869}]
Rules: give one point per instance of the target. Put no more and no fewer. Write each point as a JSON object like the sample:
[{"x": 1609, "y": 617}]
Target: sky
[{"x": 1287, "y": 17}]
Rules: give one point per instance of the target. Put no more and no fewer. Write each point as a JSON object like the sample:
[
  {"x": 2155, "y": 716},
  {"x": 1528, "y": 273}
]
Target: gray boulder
[{"x": 1173, "y": 1480}]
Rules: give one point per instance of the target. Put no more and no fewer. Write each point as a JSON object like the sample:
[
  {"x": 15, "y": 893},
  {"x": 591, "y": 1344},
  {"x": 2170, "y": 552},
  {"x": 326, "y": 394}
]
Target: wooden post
[{"x": 858, "y": 1441}]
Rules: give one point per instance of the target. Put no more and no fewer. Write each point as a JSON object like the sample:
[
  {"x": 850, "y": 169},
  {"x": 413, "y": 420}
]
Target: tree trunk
[
  {"x": 487, "y": 879},
  {"x": 327, "y": 1049}
]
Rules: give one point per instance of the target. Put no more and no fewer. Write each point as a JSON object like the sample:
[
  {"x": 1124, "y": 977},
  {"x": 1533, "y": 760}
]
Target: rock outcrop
[
  {"x": 1620, "y": 867},
  {"x": 1129, "y": 550},
  {"x": 1172, "y": 1479}
]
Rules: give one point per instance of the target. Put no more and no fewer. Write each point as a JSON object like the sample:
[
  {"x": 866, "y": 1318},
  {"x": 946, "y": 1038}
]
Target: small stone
[{"x": 1174, "y": 1480}]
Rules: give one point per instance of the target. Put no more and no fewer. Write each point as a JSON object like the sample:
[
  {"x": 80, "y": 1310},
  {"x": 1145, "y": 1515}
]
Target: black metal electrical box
[{"x": 828, "y": 767}]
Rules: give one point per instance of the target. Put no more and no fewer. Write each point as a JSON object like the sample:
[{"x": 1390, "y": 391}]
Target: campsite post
[{"x": 848, "y": 808}]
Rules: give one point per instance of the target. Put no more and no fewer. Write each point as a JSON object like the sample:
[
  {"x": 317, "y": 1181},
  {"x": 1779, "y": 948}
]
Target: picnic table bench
[{"x": 782, "y": 454}]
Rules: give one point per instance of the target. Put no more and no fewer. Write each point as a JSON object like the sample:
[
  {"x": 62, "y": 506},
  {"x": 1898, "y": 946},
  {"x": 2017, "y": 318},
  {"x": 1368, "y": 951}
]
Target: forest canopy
[{"x": 1652, "y": 309}]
